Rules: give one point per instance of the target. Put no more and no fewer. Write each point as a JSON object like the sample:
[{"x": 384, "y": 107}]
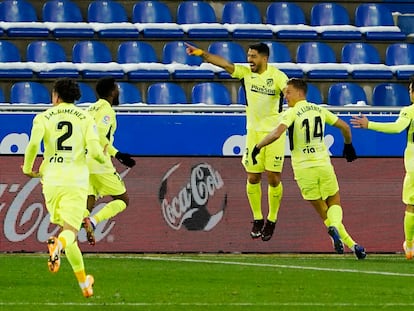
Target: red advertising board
[{"x": 198, "y": 204}]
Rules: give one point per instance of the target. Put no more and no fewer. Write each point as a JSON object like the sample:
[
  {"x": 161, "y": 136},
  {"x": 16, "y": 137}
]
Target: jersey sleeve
[
  {"x": 282, "y": 80},
  {"x": 106, "y": 126},
  {"x": 33, "y": 146},
  {"x": 330, "y": 117},
  {"x": 92, "y": 143},
  {"x": 288, "y": 117},
  {"x": 402, "y": 122},
  {"x": 240, "y": 71}
]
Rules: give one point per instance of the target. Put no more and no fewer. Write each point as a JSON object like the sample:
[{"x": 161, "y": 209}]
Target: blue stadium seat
[
  {"x": 361, "y": 54},
  {"x": 319, "y": 53},
  {"x": 136, "y": 52},
  {"x": 21, "y": 11},
  {"x": 390, "y": 94},
  {"x": 279, "y": 53},
  {"x": 341, "y": 94},
  {"x": 10, "y": 53},
  {"x": 232, "y": 51},
  {"x": 241, "y": 95},
  {"x": 335, "y": 19},
  {"x": 65, "y": 11},
  {"x": 245, "y": 12},
  {"x": 313, "y": 94},
  {"x": 87, "y": 94},
  {"x": 165, "y": 93},
  {"x": 376, "y": 14},
  {"x": 155, "y": 12},
  {"x": 94, "y": 52},
  {"x": 128, "y": 93},
  {"x": 289, "y": 14},
  {"x": 110, "y": 12},
  {"x": 29, "y": 93},
  {"x": 200, "y": 12},
  {"x": 174, "y": 53},
  {"x": 400, "y": 54},
  {"x": 406, "y": 23},
  {"x": 49, "y": 52},
  {"x": 211, "y": 93}
]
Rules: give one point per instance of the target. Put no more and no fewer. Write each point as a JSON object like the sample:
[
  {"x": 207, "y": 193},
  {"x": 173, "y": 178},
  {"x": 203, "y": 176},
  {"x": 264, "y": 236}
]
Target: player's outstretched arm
[
  {"x": 360, "y": 121},
  {"x": 210, "y": 58}
]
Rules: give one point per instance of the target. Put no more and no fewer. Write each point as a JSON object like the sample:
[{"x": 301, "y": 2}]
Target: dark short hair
[
  {"x": 67, "y": 89},
  {"x": 412, "y": 83},
  {"x": 105, "y": 86},
  {"x": 261, "y": 48},
  {"x": 299, "y": 84}
]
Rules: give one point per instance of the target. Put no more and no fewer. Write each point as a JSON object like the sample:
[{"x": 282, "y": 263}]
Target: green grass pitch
[{"x": 211, "y": 282}]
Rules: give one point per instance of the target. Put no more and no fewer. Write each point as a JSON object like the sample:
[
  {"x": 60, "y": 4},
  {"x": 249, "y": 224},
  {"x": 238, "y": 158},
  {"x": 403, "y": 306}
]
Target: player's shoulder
[
  {"x": 408, "y": 110},
  {"x": 272, "y": 69}
]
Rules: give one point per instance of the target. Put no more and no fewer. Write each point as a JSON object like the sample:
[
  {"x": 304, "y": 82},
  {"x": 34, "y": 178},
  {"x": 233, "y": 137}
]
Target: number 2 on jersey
[{"x": 67, "y": 127}]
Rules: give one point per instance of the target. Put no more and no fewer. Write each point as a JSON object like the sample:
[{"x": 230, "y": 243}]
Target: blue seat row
[
  {"x": 213, "y": 93},
  {"x": 138, "y": 60},
  {"x": 197, "y": 19}
]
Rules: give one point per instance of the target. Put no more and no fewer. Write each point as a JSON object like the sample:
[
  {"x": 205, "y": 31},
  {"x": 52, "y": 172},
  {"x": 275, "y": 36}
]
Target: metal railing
[{"x": 198, "y": 108}]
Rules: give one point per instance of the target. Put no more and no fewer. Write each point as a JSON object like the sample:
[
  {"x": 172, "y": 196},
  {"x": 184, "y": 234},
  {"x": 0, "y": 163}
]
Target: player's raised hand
[
  {"x": 192, "y": 50},
  {"x": 360, "y": 121}
]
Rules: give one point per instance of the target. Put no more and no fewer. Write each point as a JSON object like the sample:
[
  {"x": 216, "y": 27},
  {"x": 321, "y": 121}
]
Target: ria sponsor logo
[{"x": 198, "y": 204}]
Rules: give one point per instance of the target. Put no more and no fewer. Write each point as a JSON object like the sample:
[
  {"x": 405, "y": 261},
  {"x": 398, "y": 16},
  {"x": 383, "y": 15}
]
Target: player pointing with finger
[
  {"x": 311, "y": 163},
  {"x": 405, "y": 122},
  {"x": 263, "y": 85}
]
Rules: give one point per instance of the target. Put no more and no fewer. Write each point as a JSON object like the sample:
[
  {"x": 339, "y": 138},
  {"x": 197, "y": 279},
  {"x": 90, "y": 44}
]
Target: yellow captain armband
[{"x": 197, "y": 52}]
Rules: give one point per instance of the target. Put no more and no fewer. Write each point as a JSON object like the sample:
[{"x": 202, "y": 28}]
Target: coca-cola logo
[
  {"x": 190, "y": 205},
  {"x": 25, "y": 219}
]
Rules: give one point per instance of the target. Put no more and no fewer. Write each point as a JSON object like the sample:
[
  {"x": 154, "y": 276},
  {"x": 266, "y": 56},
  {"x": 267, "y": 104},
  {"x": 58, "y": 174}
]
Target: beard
[{"x": 115, "y": 101}]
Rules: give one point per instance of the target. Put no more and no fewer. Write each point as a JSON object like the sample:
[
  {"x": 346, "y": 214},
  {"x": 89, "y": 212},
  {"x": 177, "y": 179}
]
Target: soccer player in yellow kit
[
  {"x": 263, "y": 85},
  {"x": 311, "y": 163},
  {"x": 104, "y": 179},
  {"x": 67, "y": 132},
  {"x": 404, "y": 122}
]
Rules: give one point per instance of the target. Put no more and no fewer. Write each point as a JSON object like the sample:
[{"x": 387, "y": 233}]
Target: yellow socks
[
  {"x": 274, "y": 195},
  {"x": 74, "y": 256},
  {"x": 66, "y": 238},
  {"x": 254, "y": 195},
  {"x": 335, "y": 219},
  {"x": 334, "y": 215},
  {"x": 109, "y": 210},
  {"x": 345, "y": 237},
  {"x": 409, "y": 228}
]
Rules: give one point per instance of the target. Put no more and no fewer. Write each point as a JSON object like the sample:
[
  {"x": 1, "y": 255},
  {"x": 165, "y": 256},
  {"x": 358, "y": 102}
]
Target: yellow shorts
[
  {"x": 317, "y": 182},
  {"x": 65, "y": 204},
  {"x": 101, "y": 185},
  {"x": 408, "y": 189},
  {"x": 270, "y": 158}
]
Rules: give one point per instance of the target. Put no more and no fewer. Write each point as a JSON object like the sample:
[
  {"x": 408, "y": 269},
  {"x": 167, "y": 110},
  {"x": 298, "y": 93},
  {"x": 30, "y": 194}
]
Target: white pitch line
[{"x": 277, "y": 266}]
